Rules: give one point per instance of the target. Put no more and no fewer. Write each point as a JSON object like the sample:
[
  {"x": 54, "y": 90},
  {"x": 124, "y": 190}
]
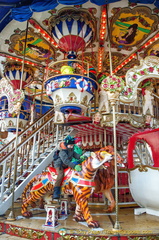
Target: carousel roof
[
  {"x": 140, "y": 17},
  {"x": 24, "y": 9}
]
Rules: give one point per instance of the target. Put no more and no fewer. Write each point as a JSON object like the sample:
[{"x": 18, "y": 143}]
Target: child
[{"x": 65, "y": 155}]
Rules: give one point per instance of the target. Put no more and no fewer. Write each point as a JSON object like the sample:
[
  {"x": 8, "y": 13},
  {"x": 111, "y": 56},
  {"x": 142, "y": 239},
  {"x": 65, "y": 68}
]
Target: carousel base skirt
[{"x": 126, "y": 226}]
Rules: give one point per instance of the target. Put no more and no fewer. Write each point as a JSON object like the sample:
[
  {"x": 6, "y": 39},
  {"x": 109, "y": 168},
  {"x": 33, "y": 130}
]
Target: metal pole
[
  {"x": 105, "y": 137},
  {"x": 57, "y": 134},
  {"x": 113, "y": 102},
  {"x": 116, "y": 225},
  {"x": 11, "y": 216}
]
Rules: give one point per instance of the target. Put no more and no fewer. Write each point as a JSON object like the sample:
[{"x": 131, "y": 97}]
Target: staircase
[{"x": 27, "y": 155}]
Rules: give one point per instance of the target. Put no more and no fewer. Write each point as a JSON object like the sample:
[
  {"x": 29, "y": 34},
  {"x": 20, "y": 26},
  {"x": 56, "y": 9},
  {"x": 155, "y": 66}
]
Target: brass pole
[
  {"x": 45, "y": 75},
  {"x": 42, "y": 88},
  {"x": 113, "y": 103},
  {"x": 116, "y": 225},
  {"x": 11, "y": 216}
]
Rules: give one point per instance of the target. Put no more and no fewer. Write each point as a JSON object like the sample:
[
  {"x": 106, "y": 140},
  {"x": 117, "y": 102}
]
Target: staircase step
[{"x": 41, "y": 153}]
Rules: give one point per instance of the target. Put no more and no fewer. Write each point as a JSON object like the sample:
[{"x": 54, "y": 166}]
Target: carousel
[{"x": 84, "y": 72}]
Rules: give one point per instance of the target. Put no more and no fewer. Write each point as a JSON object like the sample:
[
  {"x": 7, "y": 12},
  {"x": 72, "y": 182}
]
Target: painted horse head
[
  {"x": 110, "y": 149},
  {"x": 92, "y": 163},
  {"x": 100, "y": 157}
]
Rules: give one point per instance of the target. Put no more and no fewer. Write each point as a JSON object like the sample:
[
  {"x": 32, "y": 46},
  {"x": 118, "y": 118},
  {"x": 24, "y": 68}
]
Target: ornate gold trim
[
  {"x": 143, "y": 168},
  {"x": 58, "y": 100},
  {"x": 135, "y": 121},
  {"x": 71, "y": 98},
  {"x": 27, "y": 233},
  {"x": 84, "y": 101}
]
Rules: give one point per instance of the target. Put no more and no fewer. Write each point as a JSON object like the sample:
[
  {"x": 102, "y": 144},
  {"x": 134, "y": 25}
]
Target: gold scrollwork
[
  {"x": 143, "y": 168},
  {"x": 123, "y": 117},
  {"x": 29, "y": 233},
  {"x": 71, "y": 98},
  {"x": 84, "y": 101},
  {"x": 58, "y": 100}
]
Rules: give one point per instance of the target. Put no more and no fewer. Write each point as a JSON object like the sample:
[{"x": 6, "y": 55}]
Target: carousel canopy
[{"x": 24, "y": 9}]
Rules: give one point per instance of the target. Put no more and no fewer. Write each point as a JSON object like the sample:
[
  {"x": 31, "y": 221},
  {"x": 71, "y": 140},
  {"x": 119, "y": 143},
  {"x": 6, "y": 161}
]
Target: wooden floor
[{"x": 129, "y": 223}]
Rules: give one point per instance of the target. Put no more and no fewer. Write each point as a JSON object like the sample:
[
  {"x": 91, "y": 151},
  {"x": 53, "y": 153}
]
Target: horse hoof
[{"x": 93, "y": 224}]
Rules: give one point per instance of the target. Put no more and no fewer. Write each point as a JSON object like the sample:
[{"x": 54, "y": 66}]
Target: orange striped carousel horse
[{"x": 80, "y": 184}]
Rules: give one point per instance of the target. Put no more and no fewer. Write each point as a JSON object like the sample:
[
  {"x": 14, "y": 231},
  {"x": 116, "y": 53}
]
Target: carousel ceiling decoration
[
  {"x": 69, "y": 26},
  {"x": 73, "y": 30},
  {"x": 129, "y": 27},
  {"x": 117, "y": 58},
  {"x": 153, "y": 49},
  {"x": 14, "y": 73},
  {"x": 78, "y": 31},
  {"x": 128, "y": 66},
  {"x": 84, "y": 32},
  {"x": 37, "y": 48}
]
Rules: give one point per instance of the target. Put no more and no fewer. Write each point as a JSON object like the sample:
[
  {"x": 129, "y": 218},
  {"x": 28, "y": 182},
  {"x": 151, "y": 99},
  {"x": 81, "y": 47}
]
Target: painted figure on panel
[
  {"x": 39, "y": 51},
  {"x": 129, "y": 27},
  {"x": 129, "y": 36},
  {"x": 154, "y": 50},
  {"x": 37, "y": 47}
]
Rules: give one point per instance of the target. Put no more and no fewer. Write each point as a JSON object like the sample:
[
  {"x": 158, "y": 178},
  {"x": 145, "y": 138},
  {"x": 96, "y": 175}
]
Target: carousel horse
[
  {"x": 104, "y": 181},
  {"x": 80, "y": 184}
]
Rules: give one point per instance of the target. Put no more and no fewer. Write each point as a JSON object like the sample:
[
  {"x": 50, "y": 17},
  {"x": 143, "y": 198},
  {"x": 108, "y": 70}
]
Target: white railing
[{"x": 34, "y": 152}]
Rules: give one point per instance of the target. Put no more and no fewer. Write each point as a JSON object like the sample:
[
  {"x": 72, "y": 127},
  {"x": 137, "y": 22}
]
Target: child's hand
[{"x": 78, "y": 168}]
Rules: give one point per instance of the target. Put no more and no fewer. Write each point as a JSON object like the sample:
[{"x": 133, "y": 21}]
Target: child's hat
[
  {"x": 69, "y": 140},
  {"x": 78, "y": 139}
]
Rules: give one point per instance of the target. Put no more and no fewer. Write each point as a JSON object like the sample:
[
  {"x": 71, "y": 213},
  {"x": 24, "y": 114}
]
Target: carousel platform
[{"x": 137, "y": 227}]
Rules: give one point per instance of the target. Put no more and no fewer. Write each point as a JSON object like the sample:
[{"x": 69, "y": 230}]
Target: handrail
[
  {"x": 25, "y": 140},
  {"x": 35, "y": 152},
  {"x": 136, "y": 107},
  {"x": 30, "y": 127}
]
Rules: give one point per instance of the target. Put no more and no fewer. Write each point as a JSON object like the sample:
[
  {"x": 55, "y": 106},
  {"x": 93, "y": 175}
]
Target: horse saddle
[{"x": 69, "y": 176}]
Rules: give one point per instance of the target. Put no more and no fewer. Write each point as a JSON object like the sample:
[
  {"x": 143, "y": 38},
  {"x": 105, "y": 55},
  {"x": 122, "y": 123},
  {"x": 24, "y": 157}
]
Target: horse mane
[{"x": 108, "y": 148}]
